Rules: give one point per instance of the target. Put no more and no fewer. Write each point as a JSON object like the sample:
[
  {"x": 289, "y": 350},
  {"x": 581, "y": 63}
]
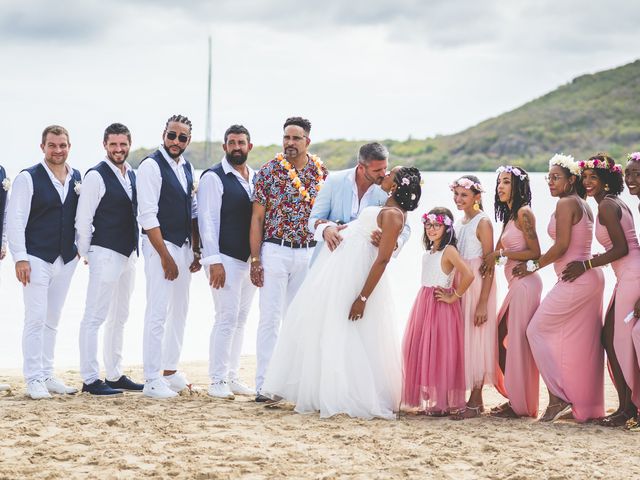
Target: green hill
[{"x": 598, "y": 112}]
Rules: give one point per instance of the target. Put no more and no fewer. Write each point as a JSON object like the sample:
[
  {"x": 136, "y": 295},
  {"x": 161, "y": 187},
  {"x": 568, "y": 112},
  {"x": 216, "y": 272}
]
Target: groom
[{"x": 346, "y": 193}]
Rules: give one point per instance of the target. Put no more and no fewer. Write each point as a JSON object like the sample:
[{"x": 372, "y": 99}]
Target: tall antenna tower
[{"x": 207, "y": 143}]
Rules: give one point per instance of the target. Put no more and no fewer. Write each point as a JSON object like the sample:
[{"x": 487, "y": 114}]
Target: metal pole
[{"x": 207, "y": 143}]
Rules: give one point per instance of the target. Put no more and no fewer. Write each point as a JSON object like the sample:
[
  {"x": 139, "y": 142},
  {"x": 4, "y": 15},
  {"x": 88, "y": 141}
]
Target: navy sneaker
[
  {"x": 100, "y": 388},
  {"x": 125, "y": 383}
]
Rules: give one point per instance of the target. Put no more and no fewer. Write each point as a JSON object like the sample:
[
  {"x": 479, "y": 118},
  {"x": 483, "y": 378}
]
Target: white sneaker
[
  {"x": 220, "y": 389},
  {"x": 240, "y": 388},
  {"x": 4, "y": 387},
  {"x": 177, "y": 382},
  {"x": 37, "y": 390},
  {"x": 158, "y": 388},
  {"x": 55, "y": 385}
]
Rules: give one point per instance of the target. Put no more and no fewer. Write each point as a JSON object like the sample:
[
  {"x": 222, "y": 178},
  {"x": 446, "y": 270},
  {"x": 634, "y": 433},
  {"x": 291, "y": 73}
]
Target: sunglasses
[{"x": 182, "y": 138}]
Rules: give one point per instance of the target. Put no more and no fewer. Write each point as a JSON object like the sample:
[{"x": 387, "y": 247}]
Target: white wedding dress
[{"x": 324, "y": 362}]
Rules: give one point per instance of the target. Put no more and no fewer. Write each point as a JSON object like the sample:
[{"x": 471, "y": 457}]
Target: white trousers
[
  {"x": 111, "y": 281},
  {"x": 166, "y": 311},
  {"x": 44, "y": 298},
  {"x": 232, "y": 304},
  {"x": 284, "y": 270}
]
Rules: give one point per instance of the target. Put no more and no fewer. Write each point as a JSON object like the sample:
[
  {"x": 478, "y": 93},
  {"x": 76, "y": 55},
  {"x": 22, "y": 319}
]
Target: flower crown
[
  {"x": 433, "y": 218},
  {"x": 467, "y": 184},
  {"x": 633, "y": 157},
  {"x": 597, "y": 163},
  {"x": 565, "y": 161},
  {"x": 513, "y": 170}
]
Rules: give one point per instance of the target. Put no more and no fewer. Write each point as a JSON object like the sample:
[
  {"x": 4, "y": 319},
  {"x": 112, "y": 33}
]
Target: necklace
[{"x": 295, "y": 180}]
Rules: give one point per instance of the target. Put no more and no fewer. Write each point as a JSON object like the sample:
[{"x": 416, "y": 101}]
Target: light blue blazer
[{"x": 333, "y": 203}]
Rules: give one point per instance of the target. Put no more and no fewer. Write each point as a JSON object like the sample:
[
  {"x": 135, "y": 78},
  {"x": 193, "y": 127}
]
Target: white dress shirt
[
  {"x": 210, "y": 193},
  {"x": 93, "y": 189},
  {"x": 20, "y": 208},
  {"x": 149, "y": 183},
  {"x": 3, "y": 241},
  {"x": 356, "y": 206}
]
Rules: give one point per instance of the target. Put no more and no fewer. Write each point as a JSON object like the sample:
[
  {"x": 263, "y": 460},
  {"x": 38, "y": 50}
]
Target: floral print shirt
[{"x": 287, "y": 212}]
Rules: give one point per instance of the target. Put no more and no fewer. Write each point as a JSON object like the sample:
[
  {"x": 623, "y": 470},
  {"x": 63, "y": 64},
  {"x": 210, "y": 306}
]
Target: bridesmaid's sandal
[
  {"x": 500, "y": 408},
  {"x": 551, "y": 416},
  {"x": 437, "y": 413},
  {"x": 506, "y": 412},
  {"x": 632, "y": 425},
  {"x": 468, "y": 412},
  {"x": 617, "y": 419}
]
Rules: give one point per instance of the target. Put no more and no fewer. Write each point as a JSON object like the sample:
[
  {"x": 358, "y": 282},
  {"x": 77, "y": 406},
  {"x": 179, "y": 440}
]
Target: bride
[{"x": 338, "y": 351}]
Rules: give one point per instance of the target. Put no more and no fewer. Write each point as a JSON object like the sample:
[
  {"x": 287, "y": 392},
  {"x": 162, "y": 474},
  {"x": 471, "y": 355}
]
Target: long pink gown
[
  {"x": 433, "y": 346},
  {"x": 564, "y": 333},
  {"x": 520, "y": 383},
  {"x": 479, "y": 341},
  {"x": 627, "y": 291}
]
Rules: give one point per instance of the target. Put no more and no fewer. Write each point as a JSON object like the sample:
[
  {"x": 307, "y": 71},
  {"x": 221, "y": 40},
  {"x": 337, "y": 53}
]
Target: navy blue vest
[
  {"x": 3, "y": 199},
  {"x": 50, "y": 231},
  {"x": 115, "y": 225},
  {"x": 174, "y": 205},
  {"x": 235, "y": 216}
]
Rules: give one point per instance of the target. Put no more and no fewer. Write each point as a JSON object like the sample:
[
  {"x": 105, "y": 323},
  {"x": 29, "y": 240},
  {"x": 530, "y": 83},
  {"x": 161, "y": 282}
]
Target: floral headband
[
  {"x": 597, "y": 163},
  {"x": 565, "y": 161},
  {"x": 433, "y": 218},
  {"x": 633, "y": 157},
  {"x": 513, "y": 170},
  {"x": 467, "y": 184}
]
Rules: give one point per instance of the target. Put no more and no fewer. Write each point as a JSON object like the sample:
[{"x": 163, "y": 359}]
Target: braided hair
[
  {"x": 520, "y": 196},
  {"x": 180, "y": 119},
  {"x": 409, "y": 190}
]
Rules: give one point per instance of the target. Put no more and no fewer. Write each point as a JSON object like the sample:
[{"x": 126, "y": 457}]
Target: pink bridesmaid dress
[
  {"x": 479, "y": 341},
  {"x": 565, "y": 331},
  {"x": 520, "y": 383},
  {"x": 627, "y": 291},
  {"x": 433, "y": 346}
]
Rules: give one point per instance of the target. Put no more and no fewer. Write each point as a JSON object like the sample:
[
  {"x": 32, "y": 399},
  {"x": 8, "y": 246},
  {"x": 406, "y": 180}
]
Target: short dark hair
[
  {"x": 237, "y": 130},
  {"x": 180, "y": 119},
  {"x": 54, "y": 130},
  {"x": 300, "y": 122},
  {"x": 372, "y": 151},
  {"x": 614, "y": 180},
  {"x": 449, "y": 237},
  {"x": 408, "y": 192},
  {"x": 116, "y": 129}
]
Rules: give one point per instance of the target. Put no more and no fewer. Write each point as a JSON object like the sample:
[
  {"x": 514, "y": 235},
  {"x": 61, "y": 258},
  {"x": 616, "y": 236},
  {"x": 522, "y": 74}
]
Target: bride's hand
[{"x": 357, "y": 310}]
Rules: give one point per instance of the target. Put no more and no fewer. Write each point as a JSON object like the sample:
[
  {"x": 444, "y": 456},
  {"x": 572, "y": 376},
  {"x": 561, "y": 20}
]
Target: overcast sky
[{"x": 363, "y": 69}]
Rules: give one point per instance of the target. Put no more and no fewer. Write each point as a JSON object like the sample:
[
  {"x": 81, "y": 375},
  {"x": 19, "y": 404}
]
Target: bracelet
[
  {"x": 456, "y": 293},
  {"x": 532, "y": 265},
  {"x": 197, "y": 254},
  {"x": 589, "y": 262},
  {"x": 255, "y": 259}
]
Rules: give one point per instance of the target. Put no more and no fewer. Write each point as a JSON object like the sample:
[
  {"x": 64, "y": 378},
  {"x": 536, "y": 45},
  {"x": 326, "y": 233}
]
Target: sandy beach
[{"x": 195, "y": 436}]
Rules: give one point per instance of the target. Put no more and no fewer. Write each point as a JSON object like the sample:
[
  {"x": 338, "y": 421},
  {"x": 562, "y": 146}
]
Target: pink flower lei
[
  {"x": 466, "y": 184},
  {"x": 433, "y": 218}
]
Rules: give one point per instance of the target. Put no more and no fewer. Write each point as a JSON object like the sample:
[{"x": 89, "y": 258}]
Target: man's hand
[
  {"x": 257, "y": 273},
  {"x": 217, "y": 275},
  {"x": 332, "y": 237},
  {"x": 195, "y": 265},
  {"x": 23, "y": 272},
  {"x": 376, "y": 236},
  {"x": 169, "y": 266},
  {"x": 3, "y": 253}
]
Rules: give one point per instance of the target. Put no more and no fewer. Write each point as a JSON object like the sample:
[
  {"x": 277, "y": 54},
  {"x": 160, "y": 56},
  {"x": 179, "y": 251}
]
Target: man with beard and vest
[
  {"x": 224, "y": 219},
  {"x": 167, "y": 213},
  {"x": 41, "y": 234},
  {"x": 108, "y": 240}
]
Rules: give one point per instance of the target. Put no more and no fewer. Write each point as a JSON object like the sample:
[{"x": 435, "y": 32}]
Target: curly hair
[
  {"x": 520, "y": 196},
  {"x": 580, "y": 190},
  {"x": 613, "y": 180},
  {"x": 409, "y": 190},
  {"x": 449, "y": 237},
  {"x": 299, "y": 122}
]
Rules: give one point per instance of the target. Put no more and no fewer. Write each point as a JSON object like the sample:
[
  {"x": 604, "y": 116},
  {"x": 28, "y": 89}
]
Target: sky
[{"x": 363, "y": 69}]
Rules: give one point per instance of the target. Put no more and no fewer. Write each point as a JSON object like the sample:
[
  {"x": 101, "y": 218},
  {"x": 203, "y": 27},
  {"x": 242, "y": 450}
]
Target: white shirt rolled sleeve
[
  {"x": 93, "y": 190},
  {"x": 3, "y": 244}
]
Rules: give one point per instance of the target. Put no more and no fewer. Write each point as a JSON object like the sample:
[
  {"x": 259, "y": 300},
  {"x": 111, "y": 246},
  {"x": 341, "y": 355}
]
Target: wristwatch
[{"x": 255, "y": 259}]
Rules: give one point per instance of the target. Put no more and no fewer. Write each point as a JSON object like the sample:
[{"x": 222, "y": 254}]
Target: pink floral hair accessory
[
  {"x": 633, "y": 157},
  {"x": 597, "y": 163},
  {"x": 513, "y": 170},
  {"x": 433, "y": 218},
  {"x": 467, "y": 184}
]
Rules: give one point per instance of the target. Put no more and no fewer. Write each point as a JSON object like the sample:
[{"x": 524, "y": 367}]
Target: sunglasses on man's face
[{"x": 182, "y": 138}]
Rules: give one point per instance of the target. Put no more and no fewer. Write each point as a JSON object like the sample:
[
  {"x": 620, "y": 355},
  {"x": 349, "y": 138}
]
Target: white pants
[
  {"x": 284, "y": 271},
  {"x": 232, "y": 304},
  {"x": 111, "y": 280},
  {"x": 166, "y": 311},
  {"x": 44, "y": 298}
]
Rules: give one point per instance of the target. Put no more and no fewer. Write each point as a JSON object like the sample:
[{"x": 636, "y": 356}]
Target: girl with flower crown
[
  {"x": 564, "y": 333},
  {"x": 433, "y": 347},
  {"x": 615, "y": 231},
  {"x": 517, "y": 374},
  {"x": 475, "y": 241}
]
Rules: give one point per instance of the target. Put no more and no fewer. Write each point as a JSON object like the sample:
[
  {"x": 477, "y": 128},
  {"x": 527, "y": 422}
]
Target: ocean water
[{"x": 404, "y": 272}]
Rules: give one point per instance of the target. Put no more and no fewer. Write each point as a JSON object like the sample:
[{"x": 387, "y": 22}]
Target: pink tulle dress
[
  {"x": 520, "y": 380},
  {"x": 433, "y": 355},
  {"x": 480, "y": 342},
  {"x": 627, "y": 291},
  {"x": 564, "y": 334}
]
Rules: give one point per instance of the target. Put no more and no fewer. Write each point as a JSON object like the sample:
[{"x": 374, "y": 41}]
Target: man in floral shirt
[{"x": 281, "y": 245}]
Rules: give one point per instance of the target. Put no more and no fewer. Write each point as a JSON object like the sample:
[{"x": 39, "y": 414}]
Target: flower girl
[{"x": 433, "y": 347}]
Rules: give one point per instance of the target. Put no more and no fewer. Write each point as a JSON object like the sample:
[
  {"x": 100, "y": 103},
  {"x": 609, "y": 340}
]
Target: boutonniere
[
  {"x": 77, "y": 186},
  {"x": 194, "y": 188},
  {"x": 6, "y": 184}
]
